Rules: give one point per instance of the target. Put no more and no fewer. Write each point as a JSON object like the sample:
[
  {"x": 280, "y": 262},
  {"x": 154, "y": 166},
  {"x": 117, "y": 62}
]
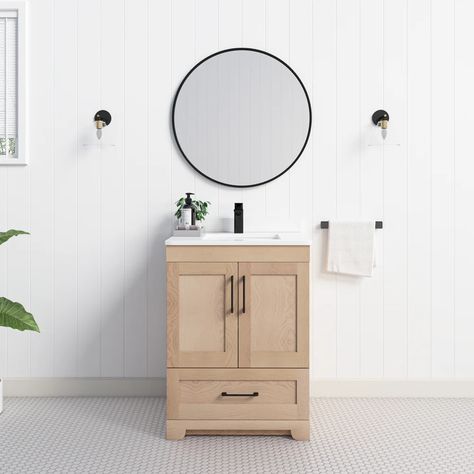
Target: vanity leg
[
  {"x": 300, "y": 432},
  {"x": 175, "y": 430}
]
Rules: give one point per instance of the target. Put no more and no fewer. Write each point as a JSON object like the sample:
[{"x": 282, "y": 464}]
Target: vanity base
[{"x": 178, "y": 429}]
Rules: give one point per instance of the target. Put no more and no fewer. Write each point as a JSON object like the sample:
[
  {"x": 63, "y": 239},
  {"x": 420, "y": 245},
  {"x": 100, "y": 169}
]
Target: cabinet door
[
  {"x": 273, "y": 314},
  {"x": 202, "y": 315}
]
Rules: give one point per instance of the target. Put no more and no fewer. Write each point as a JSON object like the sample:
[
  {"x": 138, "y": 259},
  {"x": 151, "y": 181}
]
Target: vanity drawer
[{"x": 230, "y": 394}]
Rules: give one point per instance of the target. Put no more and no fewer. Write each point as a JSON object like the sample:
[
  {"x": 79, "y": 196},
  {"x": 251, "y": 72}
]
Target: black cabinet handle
[
  {"x": 243, "y": 299},
  {"x": 232, "y": 294},
  {"x": 253, "y": 394}
]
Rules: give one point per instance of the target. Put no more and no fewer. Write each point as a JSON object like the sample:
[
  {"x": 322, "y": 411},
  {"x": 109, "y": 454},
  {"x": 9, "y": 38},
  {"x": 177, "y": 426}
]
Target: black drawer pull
[
  {"x": 253, "y": 394},
  {"x": 243, "y": 306}
]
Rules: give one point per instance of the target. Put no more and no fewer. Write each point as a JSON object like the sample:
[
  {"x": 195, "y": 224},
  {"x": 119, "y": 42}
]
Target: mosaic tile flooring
[{"x": 126, "y": 435}]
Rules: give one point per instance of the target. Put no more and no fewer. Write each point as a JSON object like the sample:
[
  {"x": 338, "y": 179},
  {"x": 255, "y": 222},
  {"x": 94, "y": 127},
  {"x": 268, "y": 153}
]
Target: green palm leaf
[
  {"x": 13, "y": 315},
  {"x": 4, "y": 236}
]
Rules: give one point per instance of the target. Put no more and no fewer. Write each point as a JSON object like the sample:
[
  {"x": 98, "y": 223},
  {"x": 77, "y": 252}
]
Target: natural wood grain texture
[
  {"x": 175, "y": 431},
  {"x": 274, "y": 300},
  {"x": 178, "y": 429},
  {"x": 201, "y": 313},
  {"x": 265, "y": 338},
  {"x": 238, "y": 432},
  {"x": 202, "y": 331},
  {"x": 243, "y": 253},
  {"x": 300, "y": 432},
  {"x": 205, "y": 391},
  {"x": 196, "y": 394},
  {"x": 198, "y": 303}
]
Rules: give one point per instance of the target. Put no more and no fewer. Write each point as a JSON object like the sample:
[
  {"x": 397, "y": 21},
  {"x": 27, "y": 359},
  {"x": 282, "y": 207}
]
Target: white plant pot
[{"x": 1, "y": 395}]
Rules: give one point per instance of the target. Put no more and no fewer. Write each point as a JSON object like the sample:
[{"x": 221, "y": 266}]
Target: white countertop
[{"x": 227, "y": 238}]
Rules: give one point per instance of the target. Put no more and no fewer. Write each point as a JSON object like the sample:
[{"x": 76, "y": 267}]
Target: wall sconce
[
  {"x": 102, "y": 118},
  {"x": 381, "y": 118}
]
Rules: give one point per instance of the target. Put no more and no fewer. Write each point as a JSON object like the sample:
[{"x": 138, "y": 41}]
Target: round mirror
[{"x": 241, "y": 117}]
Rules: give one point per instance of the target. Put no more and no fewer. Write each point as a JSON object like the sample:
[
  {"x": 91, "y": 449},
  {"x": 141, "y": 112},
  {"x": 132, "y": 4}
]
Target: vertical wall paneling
[
  {"x": 65, "y": 188},
  {"x": 348, "y": 175},
  {"x": 182, "y": 60},
  {"x": 17, "y": 258},
  {"x": 253, "y": 23},
  {"x": 464, "y": 225},
  {"x": 253, "y": 36},
  {"x": 442, "y": 192},
  {"x": 3, "y": 266},
  {"x": 160, "y": 200},
  {"x": 395, "y": 190},
  {"x": 230, "y": 36},
  {"x": 371, "y": 182},
  {"x": 112, "y": 177},
  {"x": 93, "y": 269},
  {"x": 206, "y": 42},
  {"x": 419, "y": 188},
  {"x": 40, "y": 44},
  {"x": 136, "y": 187},
  {"x": 278, "y": 43},
  {"x": 324, "y": 301},
  {"x": 301, "y": 41},
  {"x": 18, "y": 267},
  {"x": 88, "y": 190}
]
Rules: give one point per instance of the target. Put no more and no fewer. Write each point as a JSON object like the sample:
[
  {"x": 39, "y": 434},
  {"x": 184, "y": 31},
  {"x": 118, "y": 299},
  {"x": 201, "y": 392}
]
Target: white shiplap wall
[{"x": 93, "y": 269}]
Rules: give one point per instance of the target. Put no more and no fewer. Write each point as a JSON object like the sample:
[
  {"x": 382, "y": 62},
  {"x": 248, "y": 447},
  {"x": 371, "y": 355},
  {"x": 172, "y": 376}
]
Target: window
[{"x": 11, "y": 84}]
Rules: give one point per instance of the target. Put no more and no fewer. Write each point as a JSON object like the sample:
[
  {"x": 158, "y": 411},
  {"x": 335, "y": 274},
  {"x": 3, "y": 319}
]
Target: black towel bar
[{"x": 325, "y": 224}]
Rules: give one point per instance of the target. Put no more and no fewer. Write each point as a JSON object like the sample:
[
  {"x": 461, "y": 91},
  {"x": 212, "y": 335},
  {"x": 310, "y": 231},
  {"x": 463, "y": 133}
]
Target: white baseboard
[
  {"x": 393, "y": 388},
  {"x": 84, "y": 387},
  {"x": 156, "y": 387}
]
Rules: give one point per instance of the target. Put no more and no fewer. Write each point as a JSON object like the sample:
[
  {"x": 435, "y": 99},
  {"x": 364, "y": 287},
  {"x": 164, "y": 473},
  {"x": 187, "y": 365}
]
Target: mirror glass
[{"x": 241, "y": 117}]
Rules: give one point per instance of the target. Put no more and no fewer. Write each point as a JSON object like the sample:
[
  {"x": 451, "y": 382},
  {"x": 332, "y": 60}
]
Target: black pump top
[{"x": 189, "y": 199}]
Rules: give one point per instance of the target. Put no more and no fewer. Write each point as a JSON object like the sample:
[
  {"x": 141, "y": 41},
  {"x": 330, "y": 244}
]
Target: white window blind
[{"x": 8, "y": 84}]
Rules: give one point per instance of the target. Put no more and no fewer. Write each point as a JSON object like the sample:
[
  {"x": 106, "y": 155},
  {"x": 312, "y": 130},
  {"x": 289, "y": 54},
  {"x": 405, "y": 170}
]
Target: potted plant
[
  {"x": 201, "y": 209},
  {"x": 13, "y": 315}
]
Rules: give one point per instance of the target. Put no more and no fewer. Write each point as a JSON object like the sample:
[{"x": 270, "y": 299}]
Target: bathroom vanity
[{"x": 238, "y": 336}]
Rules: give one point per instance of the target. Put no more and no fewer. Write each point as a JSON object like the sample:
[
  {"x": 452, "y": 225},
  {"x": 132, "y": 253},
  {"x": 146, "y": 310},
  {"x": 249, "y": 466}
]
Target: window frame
[{"x": 22, "y": 154}]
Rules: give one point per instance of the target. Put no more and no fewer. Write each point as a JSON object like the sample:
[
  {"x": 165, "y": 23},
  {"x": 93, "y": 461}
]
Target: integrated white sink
[
  {"x": 239, "y": 237},
  {"x": 251, "y": 238}
]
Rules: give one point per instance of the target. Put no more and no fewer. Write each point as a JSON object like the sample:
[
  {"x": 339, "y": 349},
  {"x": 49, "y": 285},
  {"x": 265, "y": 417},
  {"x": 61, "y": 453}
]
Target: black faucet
[{"x": 238, "y": 218}]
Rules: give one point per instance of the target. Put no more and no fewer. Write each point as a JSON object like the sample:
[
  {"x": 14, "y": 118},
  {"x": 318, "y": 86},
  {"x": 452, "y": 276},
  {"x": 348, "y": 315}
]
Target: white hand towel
[{"x": 351, "y": 248}]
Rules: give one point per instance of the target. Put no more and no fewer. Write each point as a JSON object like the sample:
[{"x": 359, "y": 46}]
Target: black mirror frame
[{"x": 226, "y": 51}]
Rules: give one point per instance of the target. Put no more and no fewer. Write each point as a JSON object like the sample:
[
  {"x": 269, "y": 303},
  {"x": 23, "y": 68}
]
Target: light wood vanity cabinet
[
  {"x": 202, "y": 318},
  {"x": 238, "y": 340}
]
